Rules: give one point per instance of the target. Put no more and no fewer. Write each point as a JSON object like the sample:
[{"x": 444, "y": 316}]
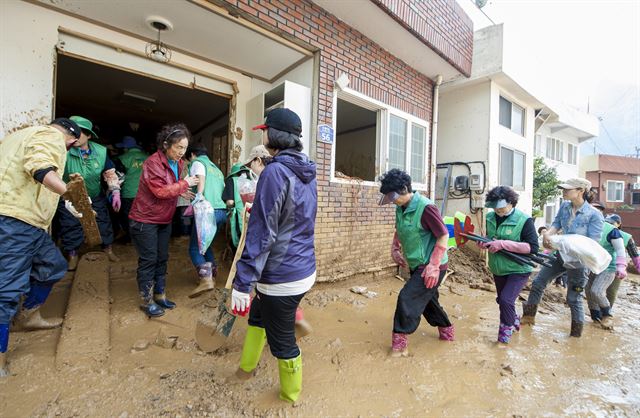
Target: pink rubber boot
[
  {"x": 399, "y": 344},
  {"x": 446, "y": 333}
]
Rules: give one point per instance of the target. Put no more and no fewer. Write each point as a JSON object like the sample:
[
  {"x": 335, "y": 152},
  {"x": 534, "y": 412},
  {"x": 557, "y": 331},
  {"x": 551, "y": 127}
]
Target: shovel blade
[{"x": 212, "y": 336}]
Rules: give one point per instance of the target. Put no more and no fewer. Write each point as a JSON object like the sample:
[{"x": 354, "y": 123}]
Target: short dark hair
[
  {"x": 395, "y": 180},
  {"x": 197, "y": 149},
  {"x": 503, "y": 192},
  {"x": 281, "y": 140},
  {"x": 541, "y": 228},
  {"x": 172, "y": 133}
]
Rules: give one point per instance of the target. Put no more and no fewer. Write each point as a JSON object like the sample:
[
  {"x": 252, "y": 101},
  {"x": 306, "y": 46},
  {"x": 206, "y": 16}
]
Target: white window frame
[
  {"x": 524, "y": 168},
  {"x": 384, "y": 113},
  {"x": 557, "y": 151},
  {"x": 572, "y": 153},
  {"x": 609, "y": 188},
  {"x": 524, "y": 116},
  {"x": 537, "y": 145}
]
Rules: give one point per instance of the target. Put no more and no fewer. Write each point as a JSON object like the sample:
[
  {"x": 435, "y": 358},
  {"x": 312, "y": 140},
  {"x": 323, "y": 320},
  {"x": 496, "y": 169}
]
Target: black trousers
[
  {"x": 70, "y": 230},
  {"x": 416, "y": 300},
  {"x": 152, "y": 244},
  {"x": 277, "y": 315},
  {"x": 123, "y": 215}
]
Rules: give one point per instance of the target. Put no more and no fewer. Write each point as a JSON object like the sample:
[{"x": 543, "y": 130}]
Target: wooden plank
[{"x": 77, "y": 194}]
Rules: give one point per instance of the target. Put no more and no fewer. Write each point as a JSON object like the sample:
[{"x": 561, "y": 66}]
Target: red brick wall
[
  {"x": 599, "y": 180},
  {"x": 353, "y": 233},
  {"x": 440, "y": 24}
]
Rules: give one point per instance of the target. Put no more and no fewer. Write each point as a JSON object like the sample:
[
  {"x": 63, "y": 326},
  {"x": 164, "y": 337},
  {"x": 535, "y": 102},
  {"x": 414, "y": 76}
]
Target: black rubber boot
[
  {"x": 576, "y": 329},
  {"x": 528, "y": 314}
]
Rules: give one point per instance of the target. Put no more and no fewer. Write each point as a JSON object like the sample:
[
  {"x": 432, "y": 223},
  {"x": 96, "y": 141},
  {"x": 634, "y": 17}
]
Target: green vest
[
  {"x": 417, "y": 243},
  {"x": 238, "y": 206},
  {"x": 213, "y": 183},
  {"x": 510, "y": 229},
  {"x": 606, "y": 229},
  {"x": 132, "y": 161},
  {"x": 90, "y": 168}
]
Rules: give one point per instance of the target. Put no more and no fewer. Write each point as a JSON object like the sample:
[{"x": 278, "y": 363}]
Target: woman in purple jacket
[{"x": 279, "y": 257}]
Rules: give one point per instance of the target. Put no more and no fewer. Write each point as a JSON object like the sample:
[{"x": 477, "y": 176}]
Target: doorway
[{"x": 122, "y": 103}]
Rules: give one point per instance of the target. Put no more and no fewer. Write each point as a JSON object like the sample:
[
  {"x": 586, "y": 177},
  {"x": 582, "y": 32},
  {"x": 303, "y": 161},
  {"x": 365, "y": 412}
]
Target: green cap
[{"x": 85, "y": 124}]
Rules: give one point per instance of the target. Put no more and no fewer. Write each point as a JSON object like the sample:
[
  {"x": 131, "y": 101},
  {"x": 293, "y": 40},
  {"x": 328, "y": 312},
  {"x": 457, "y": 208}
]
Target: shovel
[{"x": 211, "y": 336}]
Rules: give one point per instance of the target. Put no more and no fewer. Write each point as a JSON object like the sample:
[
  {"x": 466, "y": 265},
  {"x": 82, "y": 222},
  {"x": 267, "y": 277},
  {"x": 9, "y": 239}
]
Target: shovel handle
[{"x": 243, "y": 239}]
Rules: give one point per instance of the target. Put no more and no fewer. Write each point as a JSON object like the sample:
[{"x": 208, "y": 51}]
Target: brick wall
[
  {"x": 599, "y": 180},
  {"x": 440, "y": 24},
  {"x": 353, "y": 233}
]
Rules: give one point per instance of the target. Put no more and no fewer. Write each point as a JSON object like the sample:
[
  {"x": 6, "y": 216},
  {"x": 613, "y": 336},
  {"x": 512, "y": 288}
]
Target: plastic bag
[
  {"x": 205, "y": 224},
  {"x": 247, "y": 187},
  {"x": 578, "y": 251}
]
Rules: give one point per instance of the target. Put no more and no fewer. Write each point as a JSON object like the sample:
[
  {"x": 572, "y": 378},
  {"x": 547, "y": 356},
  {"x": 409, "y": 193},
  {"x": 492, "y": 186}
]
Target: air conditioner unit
[{"x": 635, "y": 186}]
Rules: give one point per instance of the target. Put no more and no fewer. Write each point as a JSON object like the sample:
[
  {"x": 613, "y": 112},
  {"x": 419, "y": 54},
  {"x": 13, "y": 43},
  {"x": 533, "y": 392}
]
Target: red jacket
[{"x": 157, "y": 196}]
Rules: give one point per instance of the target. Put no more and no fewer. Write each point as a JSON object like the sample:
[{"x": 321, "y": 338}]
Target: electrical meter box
[
  {"x": 476, "y": 181},
  {"x": 461, "y": 184}
]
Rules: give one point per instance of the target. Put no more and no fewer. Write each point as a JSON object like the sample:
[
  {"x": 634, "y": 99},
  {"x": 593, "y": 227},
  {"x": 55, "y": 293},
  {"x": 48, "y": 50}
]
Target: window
[
  {"x": 418, "y": 145},
  {"x": 397, "y": 142},
  {"x": 635, "y": 198},
  {"x": 356, "y": 141},
  {"x": 372, "y": 137},
  {"x": 555, "y": 149},
  {"x": 511, "y": 116},
  {"x": 572, "y": 154},
  {"x": 615, "y": 191},
  {"x": 512, "y": 168},
  {"x": 537, "y": 145}
]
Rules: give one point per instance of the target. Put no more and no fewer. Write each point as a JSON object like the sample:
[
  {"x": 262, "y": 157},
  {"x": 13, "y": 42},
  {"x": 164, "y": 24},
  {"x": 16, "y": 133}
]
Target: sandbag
[{"x": 578, "y": 251}]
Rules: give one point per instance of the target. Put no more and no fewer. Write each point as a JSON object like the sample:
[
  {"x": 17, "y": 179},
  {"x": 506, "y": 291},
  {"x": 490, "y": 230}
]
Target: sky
[{"x": 588, "y": 54}]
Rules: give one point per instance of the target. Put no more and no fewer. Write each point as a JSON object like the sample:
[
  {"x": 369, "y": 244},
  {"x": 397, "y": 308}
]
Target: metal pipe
[{"x": 434, "y": 138}]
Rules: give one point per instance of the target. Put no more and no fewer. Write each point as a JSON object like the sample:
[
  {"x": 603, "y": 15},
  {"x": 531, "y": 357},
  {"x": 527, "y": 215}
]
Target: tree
[{"x": 545, "y": 183}]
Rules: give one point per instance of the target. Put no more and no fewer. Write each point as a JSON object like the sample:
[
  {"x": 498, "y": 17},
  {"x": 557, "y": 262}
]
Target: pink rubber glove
[
  {"x": 636, "y": 262},
  {"x": 621, "y": 267},
  {"x": 116, "y": 203},
  {"x": 482, "y": 245},
  {"x": 431, "y": 271},
  {"x": 396, "y": 252},
  {"x": 508, "y": 245}
]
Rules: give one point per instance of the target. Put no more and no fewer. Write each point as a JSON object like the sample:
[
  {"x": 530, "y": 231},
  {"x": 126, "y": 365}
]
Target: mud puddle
[{"x": 156, "y": 369}]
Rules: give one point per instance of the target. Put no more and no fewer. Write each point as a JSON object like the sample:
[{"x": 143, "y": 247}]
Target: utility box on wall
[{"x": 288, "y": 95}]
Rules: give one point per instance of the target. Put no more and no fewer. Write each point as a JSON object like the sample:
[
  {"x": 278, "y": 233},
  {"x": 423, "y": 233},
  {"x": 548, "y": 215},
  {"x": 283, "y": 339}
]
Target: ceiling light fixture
[{"x": 157, "y": 50}]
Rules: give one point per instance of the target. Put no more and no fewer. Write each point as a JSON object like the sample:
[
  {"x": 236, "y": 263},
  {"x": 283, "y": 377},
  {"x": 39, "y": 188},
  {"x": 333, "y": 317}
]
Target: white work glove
[
  {"x": 240, "y": 302},
  {"x": 72, "y": 209}
]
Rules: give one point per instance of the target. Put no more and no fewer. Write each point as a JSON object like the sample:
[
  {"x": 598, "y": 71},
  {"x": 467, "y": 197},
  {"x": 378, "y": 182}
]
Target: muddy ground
[{"x": 347, "y": 371}]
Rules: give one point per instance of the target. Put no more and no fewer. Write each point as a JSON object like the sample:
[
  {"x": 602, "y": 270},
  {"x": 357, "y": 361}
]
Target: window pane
[
  {"x": 537, "y": 144},
  {"x": 619, "y": 190},
  {"x": 397, "y": 142},
  {"x": 418, "y": 138},
  {"x": 505, "y": 112},
  {"x": 506, "y": 167},
  {"x": 611, "y": 192},
  {"x": 635, "y": 199},
  {"x": 560, "y": 151},
  {"x": 518, "y": 170},
  {"x": 517, "y": 119},
  {"x": 550, "y": 149}
]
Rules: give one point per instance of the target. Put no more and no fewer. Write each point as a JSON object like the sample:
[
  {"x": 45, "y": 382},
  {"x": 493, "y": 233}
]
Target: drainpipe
[{"x": 434, "y": 137}]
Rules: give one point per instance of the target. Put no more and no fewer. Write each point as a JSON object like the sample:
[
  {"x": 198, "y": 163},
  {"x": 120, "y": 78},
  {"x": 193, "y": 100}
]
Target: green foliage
[
  {"x": 624, "y": 206},
  {"x": 545, "y": 183},
  {"x": 537, "y": 213}
]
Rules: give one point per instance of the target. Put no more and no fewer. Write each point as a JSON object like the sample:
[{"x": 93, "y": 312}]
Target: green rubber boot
[
  {"x": 290, "y": 378},
  {"x": 251, "y": 351}
]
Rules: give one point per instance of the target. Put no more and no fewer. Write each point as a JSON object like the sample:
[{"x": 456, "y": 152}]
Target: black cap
[
  {"x": 69, "y": 125},
  {"x": 283, "y": 120}
]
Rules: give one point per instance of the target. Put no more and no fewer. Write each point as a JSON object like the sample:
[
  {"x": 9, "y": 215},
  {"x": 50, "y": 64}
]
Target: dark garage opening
[{"x": 121, "y": 103}]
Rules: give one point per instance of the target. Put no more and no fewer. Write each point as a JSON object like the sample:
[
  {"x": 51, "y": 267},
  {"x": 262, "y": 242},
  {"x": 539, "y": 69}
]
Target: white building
[
  {"x": 488, "y": 125},
  {"x": 557, "y": 140}
]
